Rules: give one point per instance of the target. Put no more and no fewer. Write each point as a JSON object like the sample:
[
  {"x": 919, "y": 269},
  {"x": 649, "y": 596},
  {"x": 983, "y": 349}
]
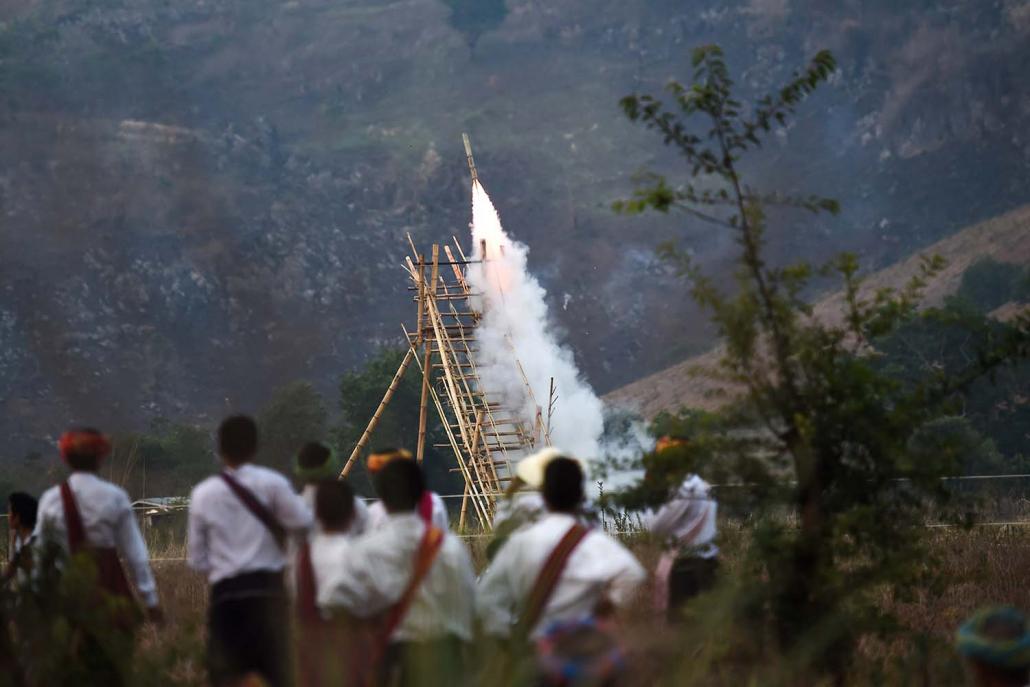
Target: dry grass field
[{"x": 980, "y": 566}]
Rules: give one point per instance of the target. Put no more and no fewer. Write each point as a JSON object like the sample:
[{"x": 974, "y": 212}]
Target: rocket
[{"x": 468, "y": 156}]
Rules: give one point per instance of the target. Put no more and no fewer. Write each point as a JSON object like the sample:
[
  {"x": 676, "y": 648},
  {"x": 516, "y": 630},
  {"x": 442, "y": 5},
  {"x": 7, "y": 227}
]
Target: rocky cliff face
[{"x": 202, "y": 200}]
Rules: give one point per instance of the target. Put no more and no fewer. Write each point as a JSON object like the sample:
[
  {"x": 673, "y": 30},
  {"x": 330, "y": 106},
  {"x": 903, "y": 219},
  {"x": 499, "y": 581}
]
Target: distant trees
[
  {"x": 169, "y": 457},
  {"x": 473, "y": 18},
  {"x": 360, "y": 393},
  {"x": 988, "y": 284},
  {"x": 294, "y": 415},
  {"x": 822, "y": 430}
]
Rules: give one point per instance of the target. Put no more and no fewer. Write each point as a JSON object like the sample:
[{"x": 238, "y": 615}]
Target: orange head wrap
[
  {"x": 378, "y": 460},
  {"x": 84, "y": 442},
  {"x": 667, "y": 442}
]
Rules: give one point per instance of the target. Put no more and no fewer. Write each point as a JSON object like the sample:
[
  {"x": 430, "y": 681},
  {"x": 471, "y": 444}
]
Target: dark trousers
[
  {"x": 249, "y": 630},
  {"x": 431, "y": 663},
  {"x": 689, "y": 577}
]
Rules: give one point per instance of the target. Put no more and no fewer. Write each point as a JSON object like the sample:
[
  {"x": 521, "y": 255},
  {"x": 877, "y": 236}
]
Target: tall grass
[{"x": 978, "y": 566}]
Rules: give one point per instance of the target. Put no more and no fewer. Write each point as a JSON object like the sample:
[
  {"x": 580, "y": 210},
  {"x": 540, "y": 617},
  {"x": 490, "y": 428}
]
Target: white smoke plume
[{"x": 515, "y": 319}]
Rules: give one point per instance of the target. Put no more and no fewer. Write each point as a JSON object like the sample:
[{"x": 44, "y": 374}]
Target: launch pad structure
[{"x": 485, "y": 431}]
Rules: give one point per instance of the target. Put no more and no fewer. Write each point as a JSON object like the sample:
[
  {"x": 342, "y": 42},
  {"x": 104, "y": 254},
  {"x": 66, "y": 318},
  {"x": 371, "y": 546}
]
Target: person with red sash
[
  {"x": 239, "y": 523},
  {"x": 315, "y": 465},
  {"x": 85, "y": 513},
  {"x": 329, "y": 645},
  {"x": 431, "y": 507},
  {"x": 557, "y": 569},
  {"x": 413, "y": 581},
  {"x": 91, "y": 520}
]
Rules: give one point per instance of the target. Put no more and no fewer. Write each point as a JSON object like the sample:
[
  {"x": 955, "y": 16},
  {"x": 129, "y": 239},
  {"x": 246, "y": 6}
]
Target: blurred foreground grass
[{"x": 979, "y": 566}]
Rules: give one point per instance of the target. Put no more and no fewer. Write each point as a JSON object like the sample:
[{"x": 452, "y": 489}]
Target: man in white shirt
[
  {"x": 422, "y": 580},
  {"x": 239, "y": 521},
  {"x": 431, "y": 507},
  {"x": 328, "y": 646},
  {"x": 333, "y": 542},
  {"x": 599, "y": 570},
  {"x": 87, "y": 512},
  {"x": 89, "y": 517}
]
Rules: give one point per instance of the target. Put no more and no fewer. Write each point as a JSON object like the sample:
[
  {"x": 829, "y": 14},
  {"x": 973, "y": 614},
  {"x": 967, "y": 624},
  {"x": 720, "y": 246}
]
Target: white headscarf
[{"x": 689, "y": 516}]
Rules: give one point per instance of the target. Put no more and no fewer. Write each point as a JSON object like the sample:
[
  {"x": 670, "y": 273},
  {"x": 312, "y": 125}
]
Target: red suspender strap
[
  {"x": 72, "y": 520},
  {"x": 428, "y": 547},
  {"x": 547, "y": 580},
  {"x": 425, "y": 507},
  {"x": 110, "y": 575},
  {"x": 307, "y": 606},
  {"x": 256, "y": 508}
]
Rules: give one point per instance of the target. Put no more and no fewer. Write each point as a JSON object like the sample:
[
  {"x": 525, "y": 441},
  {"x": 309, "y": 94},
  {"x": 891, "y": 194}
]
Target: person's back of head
[
  {"x": 400, "y": 485},
  {"x": 380, "y": 456},
  {"x": 314, "y": 463},
  {"x": 563, "y": 485},
  {"x": 83, "y": 448},
  {"x": 22, "y": 509},
  {"x": 334, "y": 505},
  {"x": 996, "y": 642},
  {"x": 237, "y": 439}
]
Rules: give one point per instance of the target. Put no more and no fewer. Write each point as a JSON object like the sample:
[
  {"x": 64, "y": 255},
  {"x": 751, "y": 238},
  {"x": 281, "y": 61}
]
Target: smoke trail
[{"x": 515, "y": 318}]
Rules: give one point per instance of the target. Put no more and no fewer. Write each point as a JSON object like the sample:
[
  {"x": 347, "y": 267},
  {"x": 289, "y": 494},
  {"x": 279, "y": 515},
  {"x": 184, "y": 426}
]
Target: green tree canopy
[
  {"x": 295, "y": 415},
  {"x": 473, "y": 18},
  {"x": 360, "y": 394},
  {"x": 825, "y": 431},
  {"x": 988, "y": 284}
]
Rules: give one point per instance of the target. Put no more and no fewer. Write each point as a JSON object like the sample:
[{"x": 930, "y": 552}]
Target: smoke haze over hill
[{"x": 204, "y": 200}]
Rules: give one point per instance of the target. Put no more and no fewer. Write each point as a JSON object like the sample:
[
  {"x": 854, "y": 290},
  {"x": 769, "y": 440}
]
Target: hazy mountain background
[{"x": 203, "y": 200}]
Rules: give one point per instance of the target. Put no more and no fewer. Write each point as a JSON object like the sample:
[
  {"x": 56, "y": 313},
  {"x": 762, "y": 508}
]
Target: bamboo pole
[
  {"x": 375, "y": 416},
  {"x": 423, "y": 408},
  {"x": 475, "y": 441},
  {"x": 421, "y": 299},
  {"x": 464, "y": 508},
  {"x": 428, "y": 293},
  {"x": 457, "y": 272},
  {"x": 551, "y": 399},
  {"x": 477, "y": 498},
  {"x": 456, "y": 398}
]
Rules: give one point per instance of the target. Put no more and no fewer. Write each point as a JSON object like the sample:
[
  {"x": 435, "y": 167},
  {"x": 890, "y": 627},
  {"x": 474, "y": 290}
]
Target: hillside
[
  {"x": 1005, "y": 239},
  {"x": 203, "y": 200}
]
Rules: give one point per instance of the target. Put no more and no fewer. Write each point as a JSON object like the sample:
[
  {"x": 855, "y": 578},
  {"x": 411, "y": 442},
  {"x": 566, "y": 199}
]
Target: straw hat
[{"x": 531, "y": 468}]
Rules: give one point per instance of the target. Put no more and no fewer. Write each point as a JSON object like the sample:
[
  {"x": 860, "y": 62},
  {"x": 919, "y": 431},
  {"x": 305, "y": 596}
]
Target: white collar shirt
[
  {"x": 525, "y": 506},
  {"x": 226, "y": 539},
  {"x": 598, "y": 568},
  {"x": 23, "y": 546},
  {"x": 328, "y": 552},
  {"x": 377, "y": 515},
  {"x": 109, "y": 523},
  {"x": 358, "y": 525},
  {"x": 369, "y": 576}
]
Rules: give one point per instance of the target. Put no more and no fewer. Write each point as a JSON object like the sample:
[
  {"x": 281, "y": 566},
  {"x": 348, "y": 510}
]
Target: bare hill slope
[{"x": 1005, "y": 238}]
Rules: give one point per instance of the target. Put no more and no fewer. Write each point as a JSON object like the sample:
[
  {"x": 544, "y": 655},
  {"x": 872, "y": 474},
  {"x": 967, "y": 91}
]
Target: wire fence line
[
  {"x": 146, "y": 508},
  {"x": 182, "y": 503}
]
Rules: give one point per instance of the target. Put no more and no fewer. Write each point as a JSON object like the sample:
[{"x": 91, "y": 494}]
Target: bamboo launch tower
[{"x": 485, "y": 431}]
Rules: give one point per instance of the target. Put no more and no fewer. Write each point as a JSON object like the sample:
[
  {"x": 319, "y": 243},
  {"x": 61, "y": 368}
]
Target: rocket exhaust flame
[{"x": 515, "y": 317}]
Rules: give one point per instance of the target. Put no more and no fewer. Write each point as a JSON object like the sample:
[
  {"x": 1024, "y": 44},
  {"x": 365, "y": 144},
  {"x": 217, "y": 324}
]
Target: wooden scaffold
[{"x": 484, "y": 430}]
